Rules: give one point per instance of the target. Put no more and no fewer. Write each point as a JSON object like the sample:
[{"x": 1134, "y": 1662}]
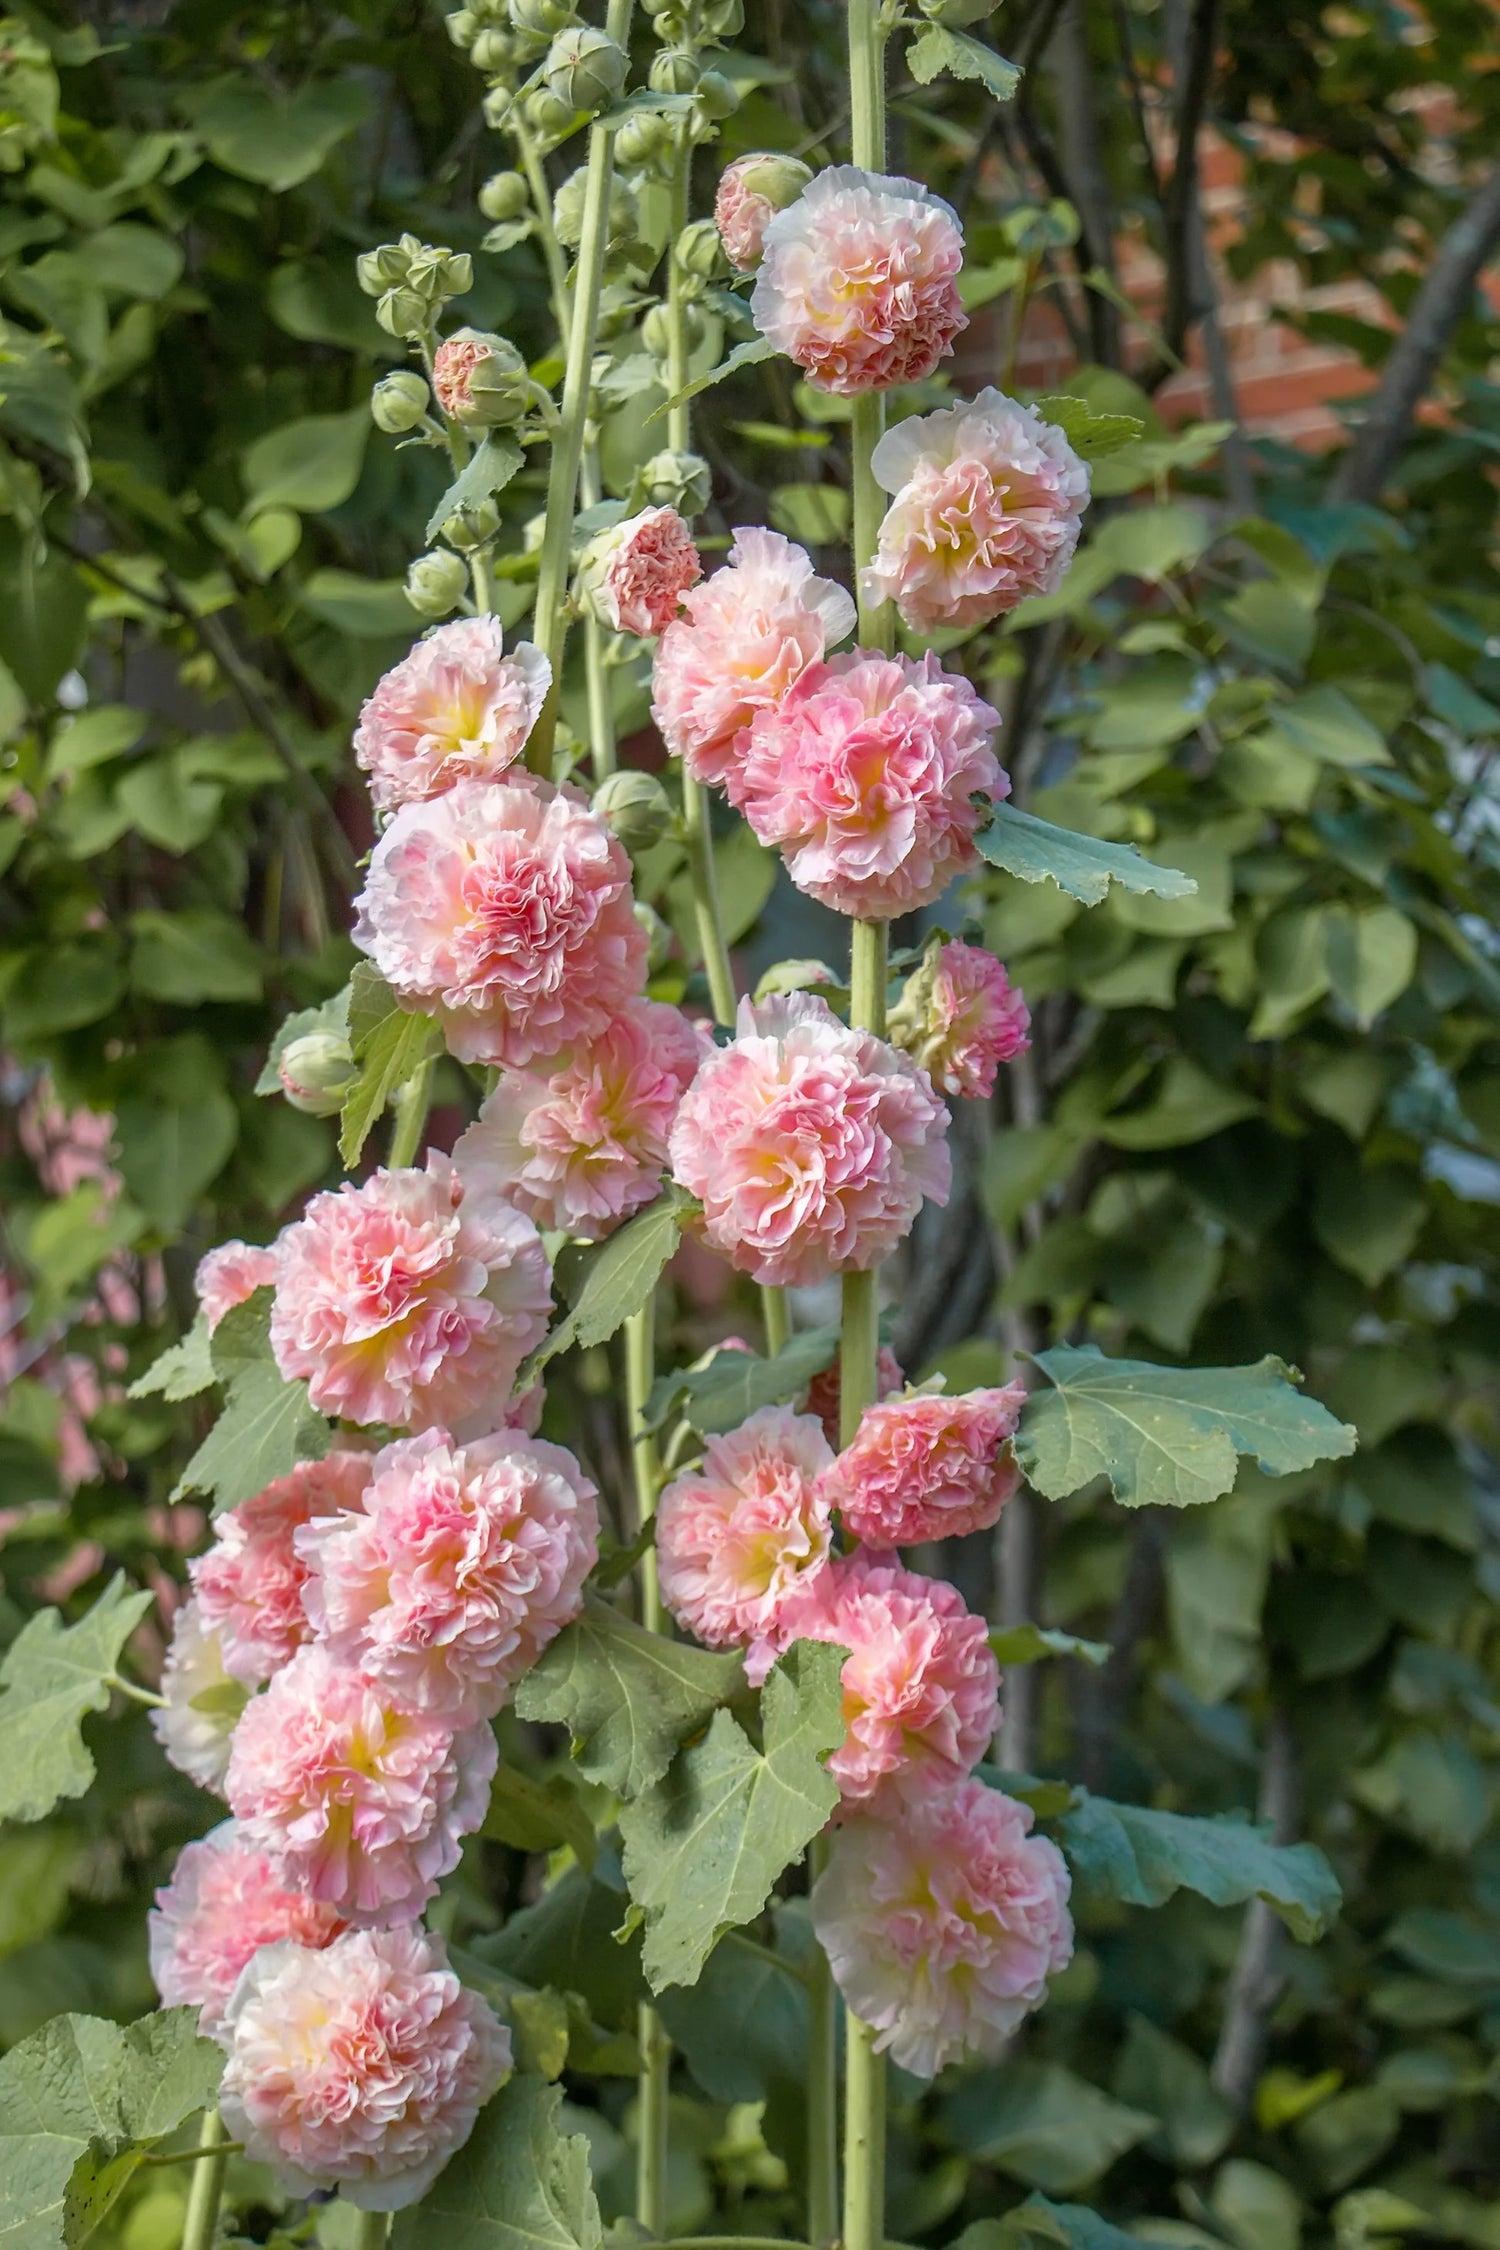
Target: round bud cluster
[
  {"x": 585, "y": 70},
  {"x": 411, "y": 281}
]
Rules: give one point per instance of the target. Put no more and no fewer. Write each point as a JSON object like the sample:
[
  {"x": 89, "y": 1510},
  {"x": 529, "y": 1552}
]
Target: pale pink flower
[
  {"x": 863, "y": 776},
  {"x": 811, "y": 1147},
  {"x": 581, "y": 1147},
  {"x": 825, "y": 1393},
  {"x": 734, "y": 1536},
  {"x": 360, "y": 1800},
  {"x": 943, "y": 1918},
  {"x": 408, "y": 1299},
  {"x": 456, "y": 709},
  {"x": 960, "y": 1017},
  {"x": 921, "y": 1686},
  {"x": 747, "y": 635},
  {"x": 466, "y": 1562},
  {"x": 230, "y": 1274},
  {"x": 989, "y": 500},
  {"x": 505, "y": 910},
  {"x": 649, "y": 562},
  {"x": 750, "y": 193},
  {"x": 249, "y": 1584},
  {"x": 859, "y": 281},
  {"x": 201, "y": 1703},
  {"x": 224, "y": 1902},
  {"x": 361, "y": 2067},
  {"x": 928, "y": 1467}
]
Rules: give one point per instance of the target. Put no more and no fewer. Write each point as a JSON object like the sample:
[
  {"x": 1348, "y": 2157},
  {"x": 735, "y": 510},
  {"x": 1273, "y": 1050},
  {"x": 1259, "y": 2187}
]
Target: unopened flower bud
[
  {"x": 437, "y": 582},
  {"x": 398, "y": 402},
  {"x": 717, "y": 97},
  {"x": 658, "y": 936},
  {"x": 567, "y": 210},
  {"x": 673, "y": 480},
  {"x": 472, "y": 527},
  {"x": 656, "y": 329},
  {"x": 504, "y": 195},
  {"x": 316, "y": 1072},
  {"x": 497, "y": 106},
  {"x": 403, "y": 312},
  {"x": 676, "y": 70},
  {"x": 724, "y": 19},
  {"x": 585, "y": 69},
  {"x": 379, "y": 270},
  {"x": 636, "y": 806},
  {"x": 545, "y": 16},
  {"x": 643, "y": 141},
  {"x": 698, "y": 250},
  {"x": 481, "y": 380},
  {"x": 492, "y": 52},
  {"x": 463, "y": 26},
  {"x": 547, "y": 114},
  {"x": 751, "y": 191}
]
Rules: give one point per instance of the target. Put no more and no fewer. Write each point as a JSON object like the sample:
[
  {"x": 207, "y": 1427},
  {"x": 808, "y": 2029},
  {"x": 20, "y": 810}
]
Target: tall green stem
[
  {"x": 867, "y": 37},
  {"x": 864, "y": 2139},
  {"x": 822, "y": 2086},
  {"x": 654, "y": 2084},
  {"x": 679, "y": 414},
  {"x": 777, "y": 1314},
  {"x": 371, "y": 2230},
  {"x": 700, "y": 851},
  {"x": 207, "y": 2185},
  {"x": 411, "y": 1117}
]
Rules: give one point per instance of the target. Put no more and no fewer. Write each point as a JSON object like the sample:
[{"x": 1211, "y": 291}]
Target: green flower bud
[
  {"x": 481, "y": 380},
  {"x": 643, "y": 142},
  {"x": 440, "y": 273},
  {"x": 567, "y": 210},
  {"x": 379, "y": 270},
  {"x": 656, "y": 330},
  {"x": 316, "y": 1072},
  {"x": 673, "y": 480},
  {"x": 437, "y": 582},
  {"x": 492, "y": 52},
  {"x": 547, "y": 114},
  {"x": 676, "y": 70},
  {"x": 698, "y": 250},
  {"x": 398, "y": 402},
  {"x": 462, "y": 26},
  {"x": 658, "y": 936},
  {"x": 585, "y": 69},
  {"x": 497, "y": 106},
  {"x": 469, "y": 529},
  {"x": 403, "y": 312},
  {"x": 637, "y": 808},
  {"x": 504, "y": 195},
  {"x": 544, "y": 17},
  {"x": 717, "y": 98},
  {"x": 724, "y": 19}
]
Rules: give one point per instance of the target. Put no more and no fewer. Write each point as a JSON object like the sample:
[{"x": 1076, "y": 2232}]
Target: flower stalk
[
  {"x": 654, "y": 2095},
  {"x": 207, "y": 2185}
]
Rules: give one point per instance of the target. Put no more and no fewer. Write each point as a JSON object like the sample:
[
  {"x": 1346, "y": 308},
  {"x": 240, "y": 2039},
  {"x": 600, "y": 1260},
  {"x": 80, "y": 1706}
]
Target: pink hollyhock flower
[
  {"x": 224, "y": 1902},
  {"x": 826, "y": 1391},
  {"x": 360, "y": 1800},
  {"x": 810, "y": 1146},
  {"x": 456, "y": 709},
  {"x": 943, "y": 1920},
  {"x": 583, "y": 1147},
  {"x": 927, "y": 1467},
  {"x": 409, "y": 1300},
  {"x": 921, "y": 1687},
  {"x": 249, "y": 1584},
  {"x": 466, "y": 1562},
  {"x": 751, "y": 191},
  {"x": 988, "y": 503},
  {"x": 230, "y": 1274},
  {"x": 361, "y": 2067},
  {"x": 863, "y": 776},
  {"x": 859, "y": 281},
  {"x": 734, "y": 1536},
  {"x": 505, "y": 909},
  {"x": 648, "y": 563},
  {"x": 196, "y": 1721},
  {"x": 747, "y": 636},
  {"x": 960, "y": 1017}
]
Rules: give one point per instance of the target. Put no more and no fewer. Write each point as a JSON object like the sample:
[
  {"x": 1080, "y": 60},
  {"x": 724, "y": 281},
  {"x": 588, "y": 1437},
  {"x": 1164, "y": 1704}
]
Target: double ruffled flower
[
  {"x": 643, "y": 568},
  {"x": 249, "y": 1584},
  {"x": 224, "y": 1902},
  {"x": 927, "y": 1467},
  {"x": 960, "y": 1017},
  {"x": 228, "y": 1275},
  {"x": 456, "y": 709},
  {"x": 737, "y": 1535}
]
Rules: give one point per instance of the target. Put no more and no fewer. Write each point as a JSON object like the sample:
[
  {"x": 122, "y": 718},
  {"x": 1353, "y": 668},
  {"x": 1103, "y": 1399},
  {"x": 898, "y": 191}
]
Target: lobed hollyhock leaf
[
  {"x": 735, "y": 1384},
  {"x": 390, "y": 1044},
  {"x": 519, "y": 2183},
  {"x": 606, "y": 1282},
  {"x": 1036, "y": 851},
  {"x": 1141, "y": 1857},
  {"x": 1090, "y": 433},
  {"x": 939, "y": 53},
  {"x": 54, "y": 1675},
  {"x": 181, "y": 1371},
  {"x": 1028, "y": 1644},
  {"x": 494, "y": 462},
  {"x": 1044, "y": 2126}
]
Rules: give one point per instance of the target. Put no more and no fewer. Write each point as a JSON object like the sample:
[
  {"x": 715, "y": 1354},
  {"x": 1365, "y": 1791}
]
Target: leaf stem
[
  {"x": 411, "y": 1105},
  {"x": 207, "y": 2186},
  {"x": 136, "y": 1693},
  {"x": 711, "y": 944}
]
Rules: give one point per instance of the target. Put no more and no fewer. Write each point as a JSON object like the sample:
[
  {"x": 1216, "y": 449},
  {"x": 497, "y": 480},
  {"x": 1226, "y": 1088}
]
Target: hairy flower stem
[
  {"x": 867, "y": 38},
  {"x": 864, "y": 2139},
  {"x": 411, "y": 1106},
  {"x": 207, "y": 2185},
  {"x": 777, "y": 1314},
  {"x": 550, "y": 621},
  {"x": 371, "y": 2230},
  {"x": 679, "y": 413},
  {"x": 652, "y": 2113},
  {"x": 822, "y": 2084}
]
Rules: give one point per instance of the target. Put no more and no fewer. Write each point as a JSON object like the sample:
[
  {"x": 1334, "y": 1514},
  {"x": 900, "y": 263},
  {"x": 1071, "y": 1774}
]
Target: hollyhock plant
[
  {"x": 224, "y": 1902},
  {"x": 230, "y": 1274},
  {"x": 249, "y": 1584},
  {"x": 747, "y": 635},
  {"x": 200, "y": 1702},
  {"x": 581, "y": 1147},
  {"x": 988, "y": 503},
  {"x": 750, "y": 193},
  {"x": 811, "y": 1147},
  {"x": 737, "y": 1534},
  {"x": 921, "y": 1686},
  {"x": 960, "y": 1017},
  {"x": 465, "y": 1562},
  {"x": 943, "y": 1922},
  {"x": 456, "y": 709},
  {"x": 825, "y": 1392},
  {"x": 858, "y": 281},
  {"x": 505, "y": 910},
  {"x": 863, "y": 776},
  {"x": 361, "y": 2067},
  {"x": 927, "y": 1467},
  {"x": 409, "y": 1299},
  {"x": 641, "y": 569},
  {"x": 360, "y": 1801}
]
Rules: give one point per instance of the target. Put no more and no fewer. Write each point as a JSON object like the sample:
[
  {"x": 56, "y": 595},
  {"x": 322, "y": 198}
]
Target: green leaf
[
  {"x": 181, "y": 1371},
  {"x": 53, "y": 1675},
  {"x": 705, "y": 1844},
  {"x": 814, "y": 514},
  {"x": 743, "y": 2026},
  {"x": 61, "y": 988},
  {"x": 1322, "y": 723},
  {"x": 185, "y": 959},
  {"x": 538, "y": 1816},
  {"x": 628, "y": 1698},
  {"x": 1083, "y": 866},
  {"x": 1368, "y": 1217},
  {"x": 1041, "y": 2124},
  {"x": 266, "y": 1427},
  {"x": 567, "y": 1940},
  {"x": 1188, "y": 1106},
  {"x": 518, "y": 2183},
  {"x": 309, "y": 465},
  {"x": 1028, "y": 1643},
  {"x": 937, "y": 52},
  {"x": 735, "y": 1384},
  {"x": 81, "y": 2103},
  {"x": 170, "y": 1149},
  {"x": 495, "y": 461},
  {"x": 611, "y": 1280},
  {"x": 1090, "y": 433},
  {"x": 1372, "y": 958},
  {"x": 93, "y": 739},
  {"x": 276, "y": 138},
  {"x": 390, "y": 1043},
  {"x": 1161, "y": 2076},
  {"x": 744, "y": 355},
  {"x": 1167, "y": 1435},
  {"x": 1142, "y": 1857}
]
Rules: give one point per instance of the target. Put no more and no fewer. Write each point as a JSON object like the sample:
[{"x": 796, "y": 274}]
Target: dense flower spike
[
  {"x": 457, "y": 709},
  {"x": 921, "y": 1687},
  {"x": 249, "y": 1584},
  {"x": 465, "y": 1563},
  {"x": 580, "y": 1148},
  {"x": 859, "y": 281},
  {"x": 196, "y": 1721},
  {"x": 224, "y": 1902},
  {"x": 864, "y": 776},
  {"x": 409, "y": 1299},
  {"x": 943, "y": 1922},
  {"x": 927, "y": 1467},
  {"x": 506, "y": 910},
  {"x": 811, "y": 1147},
  {"x": 988, "y": 503},
  {"x": 825, "y": 1392},
  {"x": 645, "y": 566},
  {"x": 735, "y": 1536},
  {"x": 746, "y": 637},
  {"x": 960, "y": 1017},
  {"x": 361, "y": 2067},
  {"x": 359, "y": 1800},
  {"x": 230, "y": 1274},
  {"x": 751, "y": 191}
]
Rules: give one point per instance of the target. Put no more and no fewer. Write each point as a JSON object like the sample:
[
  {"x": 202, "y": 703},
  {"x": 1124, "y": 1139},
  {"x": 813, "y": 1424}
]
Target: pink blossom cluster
[
  {"x": 644, "y": 567},
  {"x": 960, "y": 1017},
  {"x": 456, "y": 709}
]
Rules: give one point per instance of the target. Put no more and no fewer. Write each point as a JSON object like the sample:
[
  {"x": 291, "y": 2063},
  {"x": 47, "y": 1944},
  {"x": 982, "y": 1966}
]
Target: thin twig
[{"x": 1255, "y": 1986}]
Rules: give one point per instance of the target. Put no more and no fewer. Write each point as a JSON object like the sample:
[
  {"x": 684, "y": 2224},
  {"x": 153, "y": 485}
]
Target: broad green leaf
[
  {"x": 1142, "y": 1857},
  {"x": 266, "y": 1426},
  {"x": 628, "y": 1698},
  {"x": 1167, "y": 1435},
  {"x": 1158, "y": 2074},
  {"x": 743, "y": 2026},
  {"x": 538, "y": 1816},
  {"x": 518, "y": 2183},
  {"x": 1372, "y": 958},
  {"x": 495, "y": 461},
  {"x": 735, "y": 1384},
  {"x": 744, "y": 355},
  {"x": 1445, "y": 1945},
  {"x": 185, "y": 959},
  {"x": 705, "y": 1844},
  {"x": 567, "y": 1940},
  {"x": 82, "y": 2102},
  {"x": 1041, "y": 2124},
  {"x": 309, "y": 465},
  {"x": 1368, "y": 1217},
  {"x": 170, "y": 1149},
  {"x": 62, "y": 987},
  {"x": 390, "y": 1044},
  {"x": 1188, "y": 1106},
  {"x": 366, "y": 609},
  {"x": 1028, "y": 1644},
  {"x": 53, "y": 1676},
  {"x": 273, "y": 137},
  {"x": 814, "y": 514},
  {"x": 938, "y": 52},
  {"x": 70, "y": 1239},
  {"x": 93, "y": 739},
  {"x": 611, "y": 1280},
  {"x": 181, "y": 1371},
  {"x": 1090, "y": 433},
  {"x": 1083, "y": 866},
  {"x": 1324, "y": 724}
]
